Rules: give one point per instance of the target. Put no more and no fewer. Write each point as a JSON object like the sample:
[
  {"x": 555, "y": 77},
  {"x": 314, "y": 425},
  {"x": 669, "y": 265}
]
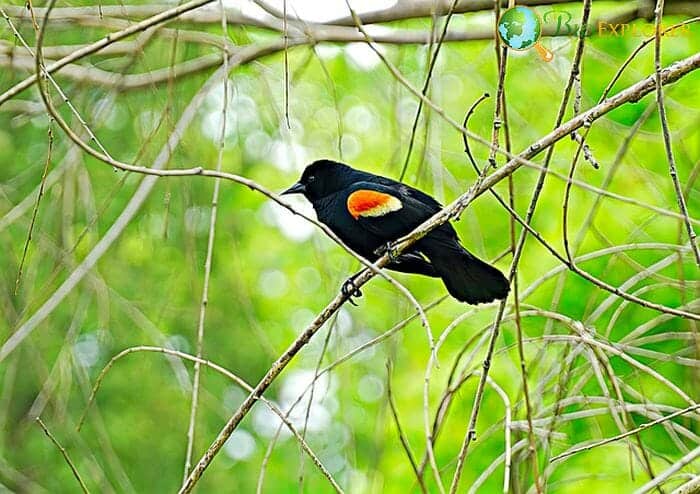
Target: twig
[
  {"x": 613, "y": 350},
  {"x": 26, "y": 204},
  {"x": 641, "y": 409},
  {"x": 310, "y": 34},
  {"x": 501, "y": 108},
  {"x": 41, "y": 70},
  {"x": 239, "y": 381},
  {"x": 119, "y": 224},
  {"x": 486, "y": 473},
  {"x": 581, "y": 139},
  {"x": 501, "y": 119},
  {"x": 286, "y": 64},
  {"x": 452, "y": 387},
  {"x": 49, "y": 387},
  {"x": 692, "y": 487},
  {"x": 507, "y": 431},
  {"x": 374, "y": 341},
  {"x": 426, "y": 7},
  {"x": 630, "y": 282},
  {"x": 471, "y": 429},
  {"x": 665, "y": 475},
  {"x": 667, "y": 133},
  {"x": 397, "y": 12},
  {"x": 424, "y": 91},
  {"x": 634, "y": 92},
  {"x": 511, "y": 172},
  {"x": 64, "y": 453},
  {"x": 598, "y": 200},
  {"x": 125, "y": 82},
  {"x": 399, "y": 430},
  {"x": 375, "y": 269},
  {"x": 624, "y": 435},
  {"x": 455, "y": 209},
  {"x": 107, "y": 40},
  {"x": 42, "y": 184},
  {"x": 209, "y": 256},
  {"x": 622, "y": 423},
  {"x": 499, "y": 104}
]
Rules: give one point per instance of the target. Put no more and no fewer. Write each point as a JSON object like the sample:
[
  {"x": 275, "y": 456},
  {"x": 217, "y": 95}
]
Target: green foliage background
[{"x": 269, "y": 279}]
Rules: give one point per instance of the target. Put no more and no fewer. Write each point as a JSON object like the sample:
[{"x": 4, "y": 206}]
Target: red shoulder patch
[{"x": 372, "y": 203}]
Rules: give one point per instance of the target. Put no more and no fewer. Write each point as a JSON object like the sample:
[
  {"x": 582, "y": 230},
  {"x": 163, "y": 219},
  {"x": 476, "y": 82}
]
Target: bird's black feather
[{"x": 331, "y": 187}]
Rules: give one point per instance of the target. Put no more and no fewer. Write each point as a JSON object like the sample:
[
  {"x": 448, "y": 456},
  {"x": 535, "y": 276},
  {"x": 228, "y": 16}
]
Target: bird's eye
[{"x": 311, "y": 179}]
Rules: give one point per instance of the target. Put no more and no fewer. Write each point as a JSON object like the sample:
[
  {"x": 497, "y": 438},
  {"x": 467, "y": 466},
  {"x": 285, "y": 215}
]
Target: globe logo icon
[{"x": 520, "y": 29}]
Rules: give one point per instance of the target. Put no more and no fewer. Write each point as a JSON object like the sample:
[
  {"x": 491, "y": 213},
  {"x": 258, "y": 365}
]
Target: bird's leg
[
  {"x": 350, "y": 290},
  {"x": 387, "y": 249}
]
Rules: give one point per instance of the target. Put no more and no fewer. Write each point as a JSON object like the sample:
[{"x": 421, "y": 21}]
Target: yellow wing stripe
[{"x": 372, "y": 203}]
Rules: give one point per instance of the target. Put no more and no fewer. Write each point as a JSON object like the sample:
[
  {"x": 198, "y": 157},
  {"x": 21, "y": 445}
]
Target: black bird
[{"x": 368, "y": 212}]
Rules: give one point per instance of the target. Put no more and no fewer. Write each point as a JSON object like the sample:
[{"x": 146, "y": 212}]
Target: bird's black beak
[{"x": 297, "y": 188}]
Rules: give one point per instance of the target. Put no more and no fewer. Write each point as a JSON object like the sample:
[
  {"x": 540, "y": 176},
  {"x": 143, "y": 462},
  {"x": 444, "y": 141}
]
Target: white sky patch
[
  {"x": 258, "y": 144},
  {"x": 233, "y": 397},
  {"x": 178, "y": 342},
  {"x": 211, "y": 125},
  {"x": 360, "y": 119},
  {"x": 330, "y": 401},
  {"x": 362, "y": 56},
  {"x": 334, "y": 463},
  {"x": 308, "y": 279},
  {"x": 351, "y": 146},
  {"x": 294, "y": 384},
  {"x": 241, "y": 445},
  {"x": 148, "y": 120},
  {"x": 319, "y": 417},
  {"x": 241, "y": 113},
  {"x": 197, "y": 220},
  {"x": 407, "y": 110},
  {"x": 327, "y": 51},
  {"x": 358, "y": 481},
  {"x": 354, "y": 341},
  {"x": 325, "y": 10},
  {"x": 215, "y": 97},
  {"x": 288, "y": 156},
  {"x": 327, "y": 116},
  {"x": 338, "y": 438},
  {"x": 292, "y": 226},
  {"x": 266, "y": 422},
  {"x": 301, "y": 318},
  {"x": 87, "y": 350},
  {"x": 344, "y": 322},
  {"x": 273, "y": 283},
  {"x": 370, "y": 388}
]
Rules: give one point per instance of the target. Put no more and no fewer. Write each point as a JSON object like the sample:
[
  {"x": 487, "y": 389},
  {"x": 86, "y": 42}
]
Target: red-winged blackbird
[{"x": 368, "y": 212}]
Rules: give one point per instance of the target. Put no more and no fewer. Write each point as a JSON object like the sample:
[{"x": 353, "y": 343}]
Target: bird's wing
[
  {"x": 389, "y": 211},
  {"x": 409, "y": 191}
]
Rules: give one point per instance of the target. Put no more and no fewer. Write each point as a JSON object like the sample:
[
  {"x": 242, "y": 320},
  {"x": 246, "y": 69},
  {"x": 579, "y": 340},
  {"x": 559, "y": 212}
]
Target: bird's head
[{"x": 322, "y": 178}]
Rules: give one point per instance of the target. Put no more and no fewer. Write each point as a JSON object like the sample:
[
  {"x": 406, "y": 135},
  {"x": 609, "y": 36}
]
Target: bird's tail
[{"x": 467, "y": 278}]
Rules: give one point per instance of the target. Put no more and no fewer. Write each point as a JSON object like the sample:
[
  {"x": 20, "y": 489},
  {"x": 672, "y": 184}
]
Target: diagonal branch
[
  {"x": 625, "y": 434},
  {"x": 667, "y": 133},
  {"x": 633, "y": 93}
]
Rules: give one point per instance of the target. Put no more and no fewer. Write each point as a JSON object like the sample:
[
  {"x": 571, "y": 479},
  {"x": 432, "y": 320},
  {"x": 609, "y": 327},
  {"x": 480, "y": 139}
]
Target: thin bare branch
[
  {"x": 632, "y": 432},
  {"x": 64, "y": 453}
]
